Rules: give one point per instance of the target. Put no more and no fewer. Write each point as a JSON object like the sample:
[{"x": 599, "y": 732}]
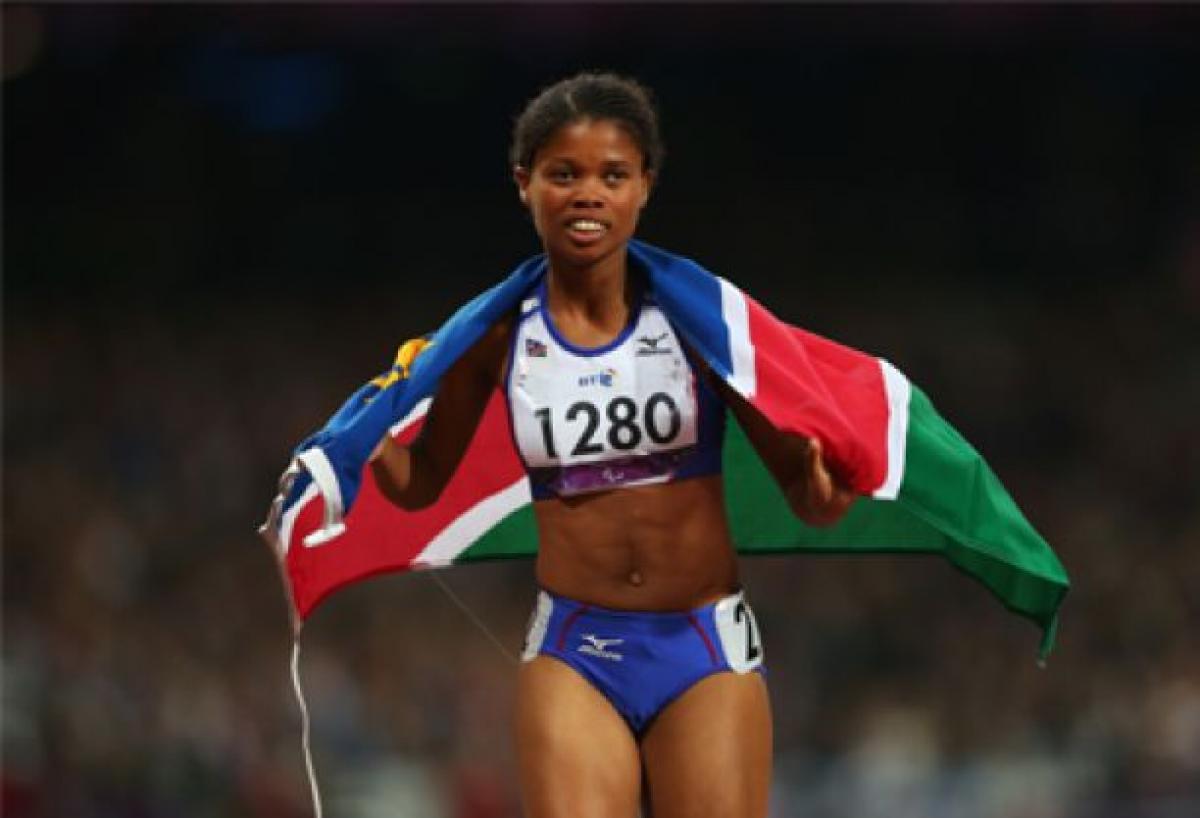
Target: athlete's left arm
[{"x": 814, "y": 493}]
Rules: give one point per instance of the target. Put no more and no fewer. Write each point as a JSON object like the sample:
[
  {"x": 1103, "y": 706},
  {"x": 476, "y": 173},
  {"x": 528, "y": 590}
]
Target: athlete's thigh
[
  {"x": 708, "y": 754},
  {"x": 576, "y": 755}
]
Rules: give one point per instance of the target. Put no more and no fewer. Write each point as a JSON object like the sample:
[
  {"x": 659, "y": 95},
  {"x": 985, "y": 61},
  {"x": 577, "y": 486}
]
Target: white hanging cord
[
  {"x": 304, "y": 727},
  {"x": 305, "y": 724},
  {"x": 441, "y": 583}
]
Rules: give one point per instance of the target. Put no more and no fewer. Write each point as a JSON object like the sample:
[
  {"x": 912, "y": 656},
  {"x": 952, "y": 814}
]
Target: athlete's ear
[
  {"x": 521, "y": 177},
  {"x": 648, "y": 179}
]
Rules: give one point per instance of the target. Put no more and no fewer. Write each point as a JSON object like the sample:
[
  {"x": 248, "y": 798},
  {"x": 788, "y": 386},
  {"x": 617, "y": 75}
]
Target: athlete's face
[{"x": 585, "y": 191}]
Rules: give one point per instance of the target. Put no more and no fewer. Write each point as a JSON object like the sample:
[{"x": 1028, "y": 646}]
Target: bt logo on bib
[{"x": 602, "y": 378}]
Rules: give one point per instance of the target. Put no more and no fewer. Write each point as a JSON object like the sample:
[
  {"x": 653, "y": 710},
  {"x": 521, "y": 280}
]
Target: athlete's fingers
[
  {"x": 826, "y": 499},
  {"x": 819, "y": 481}
]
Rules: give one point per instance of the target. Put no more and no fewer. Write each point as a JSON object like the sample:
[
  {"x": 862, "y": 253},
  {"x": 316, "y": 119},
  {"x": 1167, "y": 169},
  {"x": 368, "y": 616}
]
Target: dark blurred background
[{"x": 218, "y": 220}]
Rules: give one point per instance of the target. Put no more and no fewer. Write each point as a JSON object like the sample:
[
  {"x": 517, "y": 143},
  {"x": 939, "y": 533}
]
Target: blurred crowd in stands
[{"x": 188, "y": 293}]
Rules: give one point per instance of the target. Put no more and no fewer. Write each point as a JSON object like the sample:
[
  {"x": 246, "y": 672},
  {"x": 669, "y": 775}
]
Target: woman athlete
[{"x": 641, "y": 678}]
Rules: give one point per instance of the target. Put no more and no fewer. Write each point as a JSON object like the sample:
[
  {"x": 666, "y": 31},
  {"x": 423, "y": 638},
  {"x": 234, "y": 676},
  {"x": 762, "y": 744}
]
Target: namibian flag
[{"x": 924, "y": 488}]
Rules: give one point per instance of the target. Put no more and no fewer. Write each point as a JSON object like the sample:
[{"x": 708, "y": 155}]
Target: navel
[{"x": 635, "y": 578}]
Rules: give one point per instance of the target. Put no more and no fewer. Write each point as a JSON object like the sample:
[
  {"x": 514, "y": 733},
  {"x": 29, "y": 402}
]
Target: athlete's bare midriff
[{"x": 648, "y": 548}]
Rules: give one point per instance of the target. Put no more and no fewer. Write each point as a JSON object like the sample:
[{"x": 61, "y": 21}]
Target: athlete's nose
[
  {"x": 586, "y": 202},
  {"x": 588, "y": 194}
]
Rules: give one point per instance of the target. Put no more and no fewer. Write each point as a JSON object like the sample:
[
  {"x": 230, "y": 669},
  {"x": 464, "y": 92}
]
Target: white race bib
[{"x": 615, "y": 405}]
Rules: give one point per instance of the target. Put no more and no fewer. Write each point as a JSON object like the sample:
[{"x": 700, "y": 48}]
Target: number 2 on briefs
[
  {"x": 624, "y": 432},
  {"x": 742, "y": 612}
]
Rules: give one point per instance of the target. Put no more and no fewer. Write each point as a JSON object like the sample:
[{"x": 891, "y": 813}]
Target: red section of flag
[
  {"x": 382, "y": 538},
  {"x": 812, "y": 386}
]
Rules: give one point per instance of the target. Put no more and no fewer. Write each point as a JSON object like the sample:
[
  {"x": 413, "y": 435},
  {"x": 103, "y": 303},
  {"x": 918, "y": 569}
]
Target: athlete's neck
[{"x": 600, "y": 295}]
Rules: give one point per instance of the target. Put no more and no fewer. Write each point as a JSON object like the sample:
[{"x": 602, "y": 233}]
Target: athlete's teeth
[{"x": 582, "y": 224}]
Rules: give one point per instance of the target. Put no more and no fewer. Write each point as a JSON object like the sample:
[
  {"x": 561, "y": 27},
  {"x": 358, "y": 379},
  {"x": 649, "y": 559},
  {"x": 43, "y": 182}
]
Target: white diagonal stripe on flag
[
  {"x": 736, "y": 314},
  {"x": 415, "y": 414},
  {"x": 472, "y": 524},
  {"x": 898, "y": 393}
]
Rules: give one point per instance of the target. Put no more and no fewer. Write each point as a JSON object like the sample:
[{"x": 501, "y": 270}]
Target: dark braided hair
[{"x": 621, "y": 100}]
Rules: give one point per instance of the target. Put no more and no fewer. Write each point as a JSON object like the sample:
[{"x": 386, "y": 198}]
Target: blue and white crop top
[{"x": 629, "y": 413}]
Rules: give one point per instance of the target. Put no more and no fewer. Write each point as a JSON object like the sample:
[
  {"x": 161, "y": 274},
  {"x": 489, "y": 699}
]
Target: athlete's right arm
[{"x": 414, "y": 476}]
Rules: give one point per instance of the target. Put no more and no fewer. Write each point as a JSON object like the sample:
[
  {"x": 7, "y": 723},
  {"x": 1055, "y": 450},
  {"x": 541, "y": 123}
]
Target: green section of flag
[
  {"x": 949, "y": 485},
  {"x": 950, "y": 503}
]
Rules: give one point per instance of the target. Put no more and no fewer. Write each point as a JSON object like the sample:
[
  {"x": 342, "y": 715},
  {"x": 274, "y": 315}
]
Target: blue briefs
[{"x": 642, "y": 661}]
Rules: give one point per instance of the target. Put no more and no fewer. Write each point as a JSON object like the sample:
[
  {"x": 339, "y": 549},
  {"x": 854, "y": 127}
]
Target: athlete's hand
[{"x": 819, "y": 498}]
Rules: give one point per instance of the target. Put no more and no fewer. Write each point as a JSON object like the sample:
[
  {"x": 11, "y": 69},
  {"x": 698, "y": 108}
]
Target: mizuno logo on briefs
[
  {"x": 597, "y": 646},
  {"x": 650, "y": 346}
]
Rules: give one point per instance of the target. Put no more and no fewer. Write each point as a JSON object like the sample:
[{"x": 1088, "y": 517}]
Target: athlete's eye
[
  {"x": 561, "y": 174},
  {"x": 615, "y": 176}
]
